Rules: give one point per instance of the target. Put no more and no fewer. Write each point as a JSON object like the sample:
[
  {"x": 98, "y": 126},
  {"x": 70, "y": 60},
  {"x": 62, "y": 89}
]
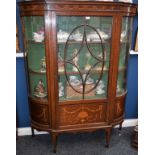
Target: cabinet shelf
[
  {"x": 33, "y": 42},
  {"x": 36, "y": 72},
  {"x": 77, "y": 42},
  {"x": 86, "y": 71},
  {"x": 38, "y": 100},
  {"x": 89, "y": 42}
]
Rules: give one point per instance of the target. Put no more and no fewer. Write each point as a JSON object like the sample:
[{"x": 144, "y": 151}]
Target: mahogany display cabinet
[{"x": 76, "y": 56}]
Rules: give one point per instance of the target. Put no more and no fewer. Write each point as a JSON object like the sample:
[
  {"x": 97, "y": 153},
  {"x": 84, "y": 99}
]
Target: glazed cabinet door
[{"x": 83, "y": 54}]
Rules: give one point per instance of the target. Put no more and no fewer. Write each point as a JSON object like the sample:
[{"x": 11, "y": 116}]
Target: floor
[{"x": 78, "y": 144}]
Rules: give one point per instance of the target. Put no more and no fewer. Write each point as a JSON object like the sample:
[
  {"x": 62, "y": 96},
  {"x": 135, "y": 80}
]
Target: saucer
[
  {"x": 99, "y": 92},
  {"x": 89, "y": 81},
  {"x": 75, "y": 83}
]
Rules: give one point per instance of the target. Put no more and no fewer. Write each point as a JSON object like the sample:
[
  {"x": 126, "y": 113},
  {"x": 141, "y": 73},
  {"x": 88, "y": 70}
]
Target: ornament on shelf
[
  {"x": 39, "y": 35},
  {"x": 119, "y": 90},
  {"x": 39, "y": 90},
  {"x": 94, "y": 36},
  {"x": 62, "y": 36},
  {"x": 43, "y": 65},
  {"x": 77, "y": 36},
  {"x": 61, "y": 89},
  {"x": 100, "y": 88},
  {"x": 60, "y": 63},
  {"x": 123, "y": 35}
]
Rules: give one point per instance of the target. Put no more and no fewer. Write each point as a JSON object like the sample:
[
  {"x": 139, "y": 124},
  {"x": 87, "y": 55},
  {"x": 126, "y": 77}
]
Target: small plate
[
  {"x": 75, "y": 83},
  {"x": 89, "y": 81}
]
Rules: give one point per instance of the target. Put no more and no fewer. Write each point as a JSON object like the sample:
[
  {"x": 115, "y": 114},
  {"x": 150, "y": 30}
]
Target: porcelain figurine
[
  {"x": 75, "y": 60},
  {"x": 93, "y": 36},
  {"x": 118, "y": 89},
  {"x": 103, "y": 35},
  {"x": 61, "y": 89},
  {"x": 60, "y": 63},
  {"x": 100, "y": 88},
  {"x": 77, "y": 36},
  {"x": 62, "y": 36},
  {"x": 39, "y": 35},
  {"x": 39, "y": 90},
  {"x": 43, "y": 65},
  {"x": 123, "y": 35}
]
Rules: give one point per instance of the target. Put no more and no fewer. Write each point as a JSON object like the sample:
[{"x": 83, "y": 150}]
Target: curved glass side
[
  {"x": 35, "y": 55},
  {"x": 125, "y": 43}
]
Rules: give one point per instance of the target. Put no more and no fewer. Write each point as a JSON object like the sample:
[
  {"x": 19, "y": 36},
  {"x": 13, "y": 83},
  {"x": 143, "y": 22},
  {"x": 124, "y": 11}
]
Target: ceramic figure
[
  {"x": 43, "y": 65},
  {"x": 93, "y": 36},
  {"x": 39, "y": 35},
  {"x": 60, "y": 63},
  {"x": 100, "y": 88},
  {"x": 118, "y": 89},
  {"x": 39, "y": 90},
  {"x": 123, "y": 35},
  {"x": 62, "y": 36},
  {"x": 77, "y": 36},
  {"x": 61, "y": 89}
]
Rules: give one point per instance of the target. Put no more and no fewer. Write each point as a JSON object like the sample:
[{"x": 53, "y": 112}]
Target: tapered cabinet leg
[
  {"x": 54, "y": 141},
  {"x": 32, "y": 131},
  {"x": 120, "y": 126},
  {"x": 108, "y": 134}
]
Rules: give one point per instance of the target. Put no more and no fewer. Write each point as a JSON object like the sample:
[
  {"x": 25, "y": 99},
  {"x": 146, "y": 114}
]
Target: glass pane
[
  {"x": 35, "y": 52},
  {"x": 83, "y": 48},
  {"x": 125, "y": 41}
]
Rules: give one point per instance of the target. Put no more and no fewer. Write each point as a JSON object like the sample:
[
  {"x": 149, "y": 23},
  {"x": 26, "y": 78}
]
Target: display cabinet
[{"x": 76, "y": 56}]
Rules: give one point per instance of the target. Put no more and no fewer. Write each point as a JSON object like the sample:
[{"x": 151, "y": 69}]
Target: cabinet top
[
  {"x": 36, "y": 7},
  {"x": 76, "y": 1}
]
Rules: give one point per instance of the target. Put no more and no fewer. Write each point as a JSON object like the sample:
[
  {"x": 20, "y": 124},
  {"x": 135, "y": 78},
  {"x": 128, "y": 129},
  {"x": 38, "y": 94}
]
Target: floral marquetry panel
[
  {"x": 81, "y": 114},
  {"x": 35, "y": 55},
  {"x": 83, "y": 49}
]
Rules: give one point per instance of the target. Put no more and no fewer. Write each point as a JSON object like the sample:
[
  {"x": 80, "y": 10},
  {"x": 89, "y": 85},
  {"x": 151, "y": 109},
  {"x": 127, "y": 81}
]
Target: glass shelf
[
  {"x": 34, "y": 42},
  {"x": 37, "y": 71},
  {"x": 61, "y": 72}
]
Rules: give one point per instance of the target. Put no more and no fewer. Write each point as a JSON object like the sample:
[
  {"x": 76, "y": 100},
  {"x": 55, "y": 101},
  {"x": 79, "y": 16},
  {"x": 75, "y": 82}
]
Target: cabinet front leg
[
  {"x": 108, "y": 134},
  {"x": 120, "y": 126},
  {"x": 32, "y": 131},
  {"x": 54, "y": 141}
]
